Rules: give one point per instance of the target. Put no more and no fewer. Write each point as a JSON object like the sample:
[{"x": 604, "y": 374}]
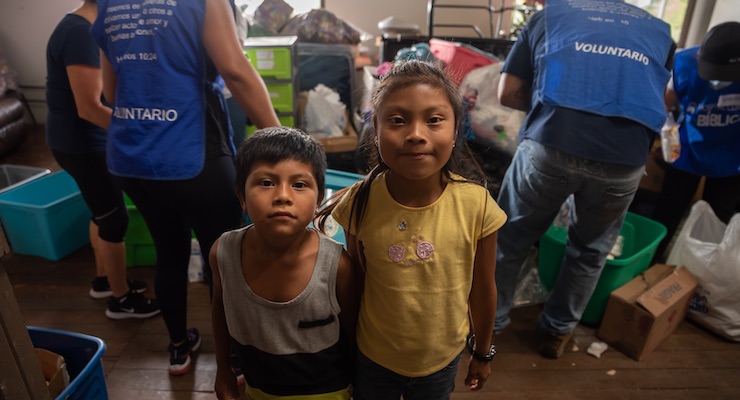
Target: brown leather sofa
[{"x": 15, "y": 120}]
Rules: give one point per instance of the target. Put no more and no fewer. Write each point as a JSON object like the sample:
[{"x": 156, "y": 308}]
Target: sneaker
[
  {"x": 132, "y": 305},
  {"x": 180, "y": 355},
  {"x": 100, "y": 289},
  {"x": 552, "y": 345}
]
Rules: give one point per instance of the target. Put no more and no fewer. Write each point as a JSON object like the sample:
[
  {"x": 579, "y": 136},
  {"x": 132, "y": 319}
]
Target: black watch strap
[
  {"x": 478, "y": 356},
  {"x": 485, "y": 357}
]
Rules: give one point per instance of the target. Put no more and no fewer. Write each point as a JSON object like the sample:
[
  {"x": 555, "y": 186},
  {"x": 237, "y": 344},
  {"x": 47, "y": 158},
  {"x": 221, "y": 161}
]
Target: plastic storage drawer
[
  {"x": 82, "y": 354},
  {"x": 46, "y": 217},
  {"x": 272, "y": 57},
  {"x": 641, "y": 238},
  {"x": 281, "y": 96},
  {"x": 285, "y": 120}
]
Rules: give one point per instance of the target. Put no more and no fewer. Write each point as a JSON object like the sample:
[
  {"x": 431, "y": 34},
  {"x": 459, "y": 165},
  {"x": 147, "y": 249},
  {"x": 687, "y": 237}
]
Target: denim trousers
[
  {"x": 374, "y": 382},
  {"x": 538, "y": 181}
]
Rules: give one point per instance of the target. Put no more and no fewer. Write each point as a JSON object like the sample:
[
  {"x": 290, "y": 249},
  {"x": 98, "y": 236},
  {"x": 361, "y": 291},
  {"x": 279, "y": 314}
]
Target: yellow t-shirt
[{"x": 419, "y": 260}]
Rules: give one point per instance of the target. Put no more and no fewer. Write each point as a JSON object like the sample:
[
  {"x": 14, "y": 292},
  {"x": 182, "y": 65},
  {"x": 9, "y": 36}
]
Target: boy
[{"x": 282, "y": 290}]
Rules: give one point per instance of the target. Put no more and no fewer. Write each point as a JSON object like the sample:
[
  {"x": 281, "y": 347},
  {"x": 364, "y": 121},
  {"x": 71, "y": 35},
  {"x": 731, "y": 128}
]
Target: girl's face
[
  {"x": 281, "y": 198},
  {"x": 416, "y": 131}
]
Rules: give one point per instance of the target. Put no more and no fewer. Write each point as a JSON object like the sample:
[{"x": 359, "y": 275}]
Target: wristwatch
[{"x": 478, "y": 356}]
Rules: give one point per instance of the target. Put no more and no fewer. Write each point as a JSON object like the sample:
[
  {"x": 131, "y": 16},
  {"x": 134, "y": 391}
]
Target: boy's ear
[{"x": 240, "y": 196}]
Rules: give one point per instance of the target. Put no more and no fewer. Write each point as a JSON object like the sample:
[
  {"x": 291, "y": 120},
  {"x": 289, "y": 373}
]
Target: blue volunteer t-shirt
[
  {"x": 709, "y": 124},
  {"x": 597, "y": 59},
  {"x": 614, "y": 140},
  {"x": 158, "y": 129},
  {"x": 70, "y": 44}
]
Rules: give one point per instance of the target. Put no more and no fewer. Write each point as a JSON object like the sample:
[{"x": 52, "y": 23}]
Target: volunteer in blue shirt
[
  {"x": 706, "y": 87},
  {"x": 169, "y": 136},
  {"x": 593, "y": 89}
]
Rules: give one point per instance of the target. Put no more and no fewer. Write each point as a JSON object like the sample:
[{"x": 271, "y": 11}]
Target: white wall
[
  {"x": 725, "y": 11},
  {"x": 25, "y": 27},
  {"x": 367, "y": 17}
]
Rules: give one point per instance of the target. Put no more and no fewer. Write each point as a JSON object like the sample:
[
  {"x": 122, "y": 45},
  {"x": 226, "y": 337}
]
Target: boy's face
[{"x": 281, "y": 198}]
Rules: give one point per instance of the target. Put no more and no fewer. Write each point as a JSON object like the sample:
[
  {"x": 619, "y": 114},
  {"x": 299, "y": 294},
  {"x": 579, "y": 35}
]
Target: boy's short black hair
[{"x": 279, "y": 143}]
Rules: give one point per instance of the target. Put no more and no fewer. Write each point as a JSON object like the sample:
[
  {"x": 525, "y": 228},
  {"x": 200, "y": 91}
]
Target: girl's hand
[
  {"x": 478, "y": 373},
  {"x": 226, "y": 388}
]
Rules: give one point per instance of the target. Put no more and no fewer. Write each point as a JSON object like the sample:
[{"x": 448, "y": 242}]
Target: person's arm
[
  {"x": 225, "y": 386},
  {"x": 483, "y": 308},
  {"x": 514, "y": 92},
  {"x": 87, "y": 85},
  {"x": 670, "y": 97},
  {"x": 110, "y": 80},
  {"x": 347, "y": 297},
  {"x": 222, "y": 45}
]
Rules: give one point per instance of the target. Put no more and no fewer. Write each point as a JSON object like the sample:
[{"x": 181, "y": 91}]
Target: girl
[{"x": 423, "y": 228}]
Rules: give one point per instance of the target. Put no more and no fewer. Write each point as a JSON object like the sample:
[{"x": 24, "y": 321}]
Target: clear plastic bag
[{"x": 669, "y": 140}]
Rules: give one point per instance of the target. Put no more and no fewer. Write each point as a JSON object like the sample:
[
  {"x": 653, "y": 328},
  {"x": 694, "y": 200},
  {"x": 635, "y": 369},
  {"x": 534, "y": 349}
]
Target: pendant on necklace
[{"x": 402, "y": 226}]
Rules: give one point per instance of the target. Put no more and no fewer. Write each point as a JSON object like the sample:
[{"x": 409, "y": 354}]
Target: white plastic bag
[
  {"x": 710, "y": 250},
  {"x": 325, "y": 114},
  {"x": 492, "y": 123}
]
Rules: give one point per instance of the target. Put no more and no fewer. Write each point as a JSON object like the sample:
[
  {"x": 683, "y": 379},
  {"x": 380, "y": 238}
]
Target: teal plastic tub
[
  {"x": 641, "y": 238},
  {"x": 335, "y": 181},
  {"x": 13, "y": 176},
  {"x": 82, "y": 355},
  {"x": 46, "y": 217}
]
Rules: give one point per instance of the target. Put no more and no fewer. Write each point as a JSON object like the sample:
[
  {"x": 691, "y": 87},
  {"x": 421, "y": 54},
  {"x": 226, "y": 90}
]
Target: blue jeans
[
  {"x": 374, "y": 382},
  {"x": 536, "y": 184}
]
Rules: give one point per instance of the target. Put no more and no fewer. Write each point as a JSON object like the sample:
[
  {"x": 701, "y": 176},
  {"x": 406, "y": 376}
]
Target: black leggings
[
  {"x": 208, "y": 205},
  {"x": 101, "y": 192}
]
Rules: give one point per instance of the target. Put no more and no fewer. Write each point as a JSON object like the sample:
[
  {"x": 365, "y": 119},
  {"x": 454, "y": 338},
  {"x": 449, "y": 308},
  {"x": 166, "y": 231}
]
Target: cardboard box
[
  {"x": 641, "y": 314},
  {"x": 332, "y": 144},
  {"x": 54, "y": 370}
]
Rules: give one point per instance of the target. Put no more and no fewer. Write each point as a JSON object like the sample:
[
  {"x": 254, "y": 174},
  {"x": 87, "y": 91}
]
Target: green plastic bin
[{"x": 641, "y": 238}]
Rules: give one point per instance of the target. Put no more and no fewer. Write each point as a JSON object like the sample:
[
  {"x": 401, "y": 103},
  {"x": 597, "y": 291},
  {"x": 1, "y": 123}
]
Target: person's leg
[
  {"x": 171, "y": 236},
  {"x": 437, "y": 386},
  {"x": 374, "y": 382},
  {"x": 104, "y": 198},
  {"x": 723, "y": 194},
  {"x": 534, "y": 187},
  {"x": 210, "y": 204},
  {"x": 674, "y": 199},
  {"x": 601, "y": 204}
]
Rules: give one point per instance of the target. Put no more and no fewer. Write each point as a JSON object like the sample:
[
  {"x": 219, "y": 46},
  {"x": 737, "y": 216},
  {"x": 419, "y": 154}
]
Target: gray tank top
[{"x": 306, "y": 324}]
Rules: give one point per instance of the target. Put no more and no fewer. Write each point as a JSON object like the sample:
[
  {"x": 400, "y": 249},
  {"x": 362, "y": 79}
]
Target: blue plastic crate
[
  {"x": 82, "y": 354},
  {"x": 46, "y": 217}
]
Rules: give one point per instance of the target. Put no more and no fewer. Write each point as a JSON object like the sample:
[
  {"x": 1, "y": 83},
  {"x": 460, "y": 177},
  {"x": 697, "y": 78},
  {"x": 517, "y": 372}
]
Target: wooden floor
[{"x": 691, "y": 364}]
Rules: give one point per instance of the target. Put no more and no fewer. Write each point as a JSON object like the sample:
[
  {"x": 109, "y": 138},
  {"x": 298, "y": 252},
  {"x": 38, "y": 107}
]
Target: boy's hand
[
  {"x": 478, "y": 373},
  {"x": 225, "y": 387}
]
